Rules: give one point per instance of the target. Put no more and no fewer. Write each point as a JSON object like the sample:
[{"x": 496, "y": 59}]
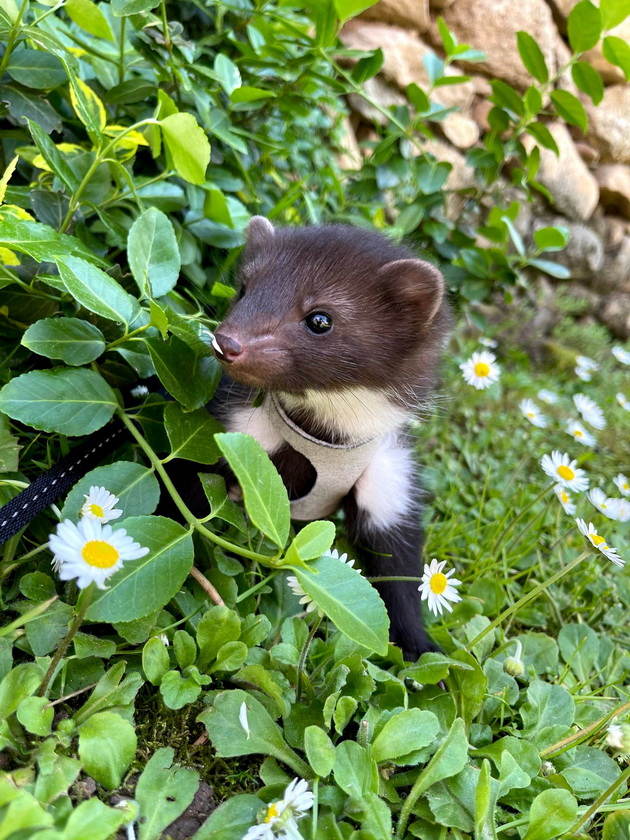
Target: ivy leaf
[
  {"x": 144, "y": 585},
  {"x": 264, "y": 493},
  {"x": 66, "y": 400},
  {"x": 532, "y": 56},
  {"x": 72, "y": 340},
  {"x": 153, "y": 253}
]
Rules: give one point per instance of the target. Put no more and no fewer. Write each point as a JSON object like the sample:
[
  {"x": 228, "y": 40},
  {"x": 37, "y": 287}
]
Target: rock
[
  {"x": 378, "y": 90},
  {"x": 609, "y": 124},
  {"x": 440, "y": 4},
  {"x": 351, "y": 157},
  {"x": 460, "y": 130},
  {"x": 403, "y": 52},
  {"x": 572, "y": 186},
  {"x": 411, "y": 13},
  {"x": 587, "y": 152},
  {"x": 614, "y": 187},
  {"x": 583, "y": 256},
  {"x": 615, "y": 314},
  {"x": 491, "y": 26}
]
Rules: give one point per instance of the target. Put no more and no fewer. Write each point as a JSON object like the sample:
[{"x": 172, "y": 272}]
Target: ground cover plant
[{"x": 140, "y": 138}]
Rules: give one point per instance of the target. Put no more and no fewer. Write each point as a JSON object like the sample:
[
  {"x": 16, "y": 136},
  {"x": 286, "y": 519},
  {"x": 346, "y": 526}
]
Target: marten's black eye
[{"x": 318, "y": 322}]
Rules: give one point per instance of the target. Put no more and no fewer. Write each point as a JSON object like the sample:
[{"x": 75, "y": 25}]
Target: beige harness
[{"x": 338, "y": 466}]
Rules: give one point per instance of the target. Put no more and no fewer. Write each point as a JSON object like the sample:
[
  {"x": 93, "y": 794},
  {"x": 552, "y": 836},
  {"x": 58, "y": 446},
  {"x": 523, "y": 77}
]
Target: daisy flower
[
  {"x": 586, "y": 363},
  {"x": 91, "y": 552},
  {"x": 623, "y": 402},
  {"x": 599, "y": 542},
  {"x": 139, "y": 391},
  {"x": 532, "y": 413},
  {"x": 488, "y": 342},
  {"x": 438, "y": 588},
  {"x": 623, "y": 484},
  {"x": 280, "y": 819},
  {"x": 564, "y": 471},
  {"x": 584, "y": 374},
  {"x": 601, "y": 501},
  {"x": 579, "y": 433},
  {"x": 305, "y": 599},
  {"x": 481, "y": 370},
  {"x": 618, "y": 736},
  {"x": 622, "y": 509},
  {"x": 565, "y": 499},
  {"x": 99, "y": 504},
  {"x": 621, "y": 354},
  {"x": 548, "y": 397},
  {"x": 590, "y": 411}
]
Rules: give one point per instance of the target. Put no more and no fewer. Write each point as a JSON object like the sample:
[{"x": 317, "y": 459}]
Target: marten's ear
[
  {"x": 260, "y": 232},
  {"x": 416, "y": 282}
]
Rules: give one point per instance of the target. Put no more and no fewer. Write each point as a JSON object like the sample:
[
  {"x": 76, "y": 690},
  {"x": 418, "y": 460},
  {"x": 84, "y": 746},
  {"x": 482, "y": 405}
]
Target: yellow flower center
[
  {"x": 96, "y": 510},
  {"x": 482, "y": 369},
  {"x": 564, "y": 497},
  {"x": 565, "y": 472},
  {"x": 272, "y": 812},
  {"x": 530, "y": 414},
  {"x": 577, "y": 433},
  {"x": 438, "y": 583},
  {"x": 626, "y": 486},
  {"x": 597, "y": 540},
  {"x": 100, "y": 554}
]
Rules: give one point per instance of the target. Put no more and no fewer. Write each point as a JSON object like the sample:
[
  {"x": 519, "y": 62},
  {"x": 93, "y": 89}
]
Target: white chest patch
[
  {"x": 384, "y": 490},
  {"x": 255, "y": 422},
  {"x": 356, "y": 413}
]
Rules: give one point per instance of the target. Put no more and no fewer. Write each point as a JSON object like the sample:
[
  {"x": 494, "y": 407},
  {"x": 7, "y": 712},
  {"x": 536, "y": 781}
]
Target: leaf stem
[
  {"x": 303, "y": 655},
  {"x": 526, "y": 599},
  {"x": 84, "y": 602}
]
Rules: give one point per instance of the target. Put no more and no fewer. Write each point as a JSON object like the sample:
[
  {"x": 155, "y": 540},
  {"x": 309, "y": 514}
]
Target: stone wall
[{"x": 589, "y": 182}]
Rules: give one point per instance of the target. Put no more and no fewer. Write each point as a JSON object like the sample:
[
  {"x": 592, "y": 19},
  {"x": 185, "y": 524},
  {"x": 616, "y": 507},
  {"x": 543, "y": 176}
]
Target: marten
[{"x": 342, "y": 330}]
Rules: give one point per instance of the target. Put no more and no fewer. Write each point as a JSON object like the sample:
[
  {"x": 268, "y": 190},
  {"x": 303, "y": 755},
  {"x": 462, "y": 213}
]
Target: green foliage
[{"x": 142, "y": 138}]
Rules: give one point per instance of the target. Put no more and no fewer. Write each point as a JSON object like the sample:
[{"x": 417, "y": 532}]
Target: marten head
[{"x": 332, "y": 307}]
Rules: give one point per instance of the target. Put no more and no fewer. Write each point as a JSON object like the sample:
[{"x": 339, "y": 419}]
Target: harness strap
[{"x": 35, "y": 498}]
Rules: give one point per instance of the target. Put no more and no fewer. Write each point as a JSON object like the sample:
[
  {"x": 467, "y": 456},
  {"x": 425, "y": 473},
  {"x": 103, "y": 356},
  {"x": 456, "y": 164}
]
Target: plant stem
[
  {"x": 13, "y": 34},
  {"x": 84, "y": 603},
  {"x": 181, "y": 505},
  {"x": 583, "y": 734},
  {"x": 526, "y": 599},
  {"x": 586, "y": 816},
  {"x": 303, "y": 655}
]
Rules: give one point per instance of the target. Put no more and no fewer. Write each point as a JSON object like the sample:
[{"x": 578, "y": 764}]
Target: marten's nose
[{"x": 227, "y": 347}]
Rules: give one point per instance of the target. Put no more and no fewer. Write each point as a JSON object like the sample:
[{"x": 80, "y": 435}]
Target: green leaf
[
  {"x": 38, "y": 241},
  {"x": 189, "y": 375},
  {"x": 107, "y": 745},
  {"x": 164, "y": 791},
  {"x": 93, "y": 820},
  {"x": 86, "y": 645},
  {"x": 551, "y": 814},
  {"x": 135, "y": 486},
  {"x": 227, "y": 73},
  {"x": 349, "y": 600},
  {"x": 89, "y": 17},
  {"x": 552, "y": 268},
  {"x": 366, "y": 68},
  {"x": 216, "y": 208},
  {"x": 449, "y": 759},
  {"x": 132, "y": 7},
  {"x": 355, "y": 770},
  {"x": 404, "y": 733},
  {"x": 570, "y": 108},
  {"x": 153, "y": 253},
  {"x": 376, "y": 819},
  {"x": 532, "y": 56},
  {"x": 617, "y": 51},
  {"x": 506, "y": 97},
  {"x": 9, "y": 452},
  {"x": 217, "y": 626},
  {"x": 540, "y": 132},
  {"x": 347, "y": 9},
  {"x": 591, "y": 772},
  {"x": 265, "y": 737},
  {"x": 66, "y": 400},
  {"x": 36, "y": 715},
  {"x": 552, "y": 238},
  {"x": 23, "y": 105},
  {"x": 72, "y": 340},
  {"x": 264, "y": 494},
  {"x": 616, "y": 826},
  {"x": 185, "y": 648},
  {"x": 221, "y": 506},
  {"x": 433, "y": 667},
  {"x": 319, "y": 750},
  {"x": 191, "y": 434},
  {"x": 110, "y": 692},
  {"x": 187, "y": 146},
  {"x": 178, "y": 691},
  {"x": 312, "y": 541},
  {"x": 97, "y": 291},
  {"x": 144, "y": 585},
  {"x": 584, "y": 26},
  {"x": 36, "y": 69},
  {"x": 231, "y": 820},
  {"x": 155, "y": 660},
  {"x": 588, "y": 79},
  {"x": 614, "y": 12}
]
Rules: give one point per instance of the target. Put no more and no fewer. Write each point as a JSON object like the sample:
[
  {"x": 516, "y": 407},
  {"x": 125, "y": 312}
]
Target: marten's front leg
[{"x": 383, "y": 522}]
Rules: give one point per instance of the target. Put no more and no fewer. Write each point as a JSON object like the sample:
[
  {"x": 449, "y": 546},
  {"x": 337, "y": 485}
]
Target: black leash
[{"x": 56, "y": 481}]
